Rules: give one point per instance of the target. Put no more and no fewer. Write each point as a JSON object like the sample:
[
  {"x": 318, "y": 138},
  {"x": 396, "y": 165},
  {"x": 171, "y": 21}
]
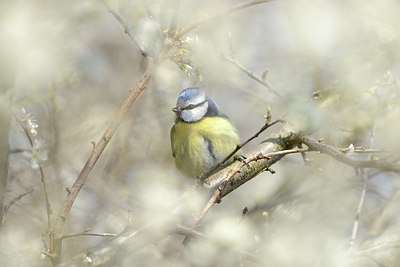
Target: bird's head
[{"x": 192, "y": 105}]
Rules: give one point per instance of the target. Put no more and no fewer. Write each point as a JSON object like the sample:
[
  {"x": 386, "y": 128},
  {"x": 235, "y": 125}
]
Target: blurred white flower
[
  {"x": 350, "y": 149},
  {"x": 187, "y": 40},
  {"x": 29, "y": 122},
  {"x": 37, "y": 154},
  {"x": 228, "y": 233}
]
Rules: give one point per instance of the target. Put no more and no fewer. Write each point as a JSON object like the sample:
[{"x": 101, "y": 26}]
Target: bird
[{"x": 202, "y": 135}]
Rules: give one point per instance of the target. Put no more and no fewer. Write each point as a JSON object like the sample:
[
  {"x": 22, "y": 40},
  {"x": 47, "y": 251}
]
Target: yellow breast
[{"x": 200, "y": 145}]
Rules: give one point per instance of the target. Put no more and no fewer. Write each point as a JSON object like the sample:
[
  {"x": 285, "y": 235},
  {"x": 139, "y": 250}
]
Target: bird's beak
[{"x": 176, "y": 109}]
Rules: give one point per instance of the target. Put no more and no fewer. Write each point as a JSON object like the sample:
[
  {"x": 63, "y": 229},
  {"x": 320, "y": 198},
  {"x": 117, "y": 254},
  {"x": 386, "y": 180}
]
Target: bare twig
[
  {"x": 215, "y": 198},
  {"x": 365, "y": 175},
  {"x": 221, "y": 191},
  {"x": 267, "y": 124},
  {"x": 56, "y": 233},
  {"x": 358, "y": 213},
  {"x": 206, "y": 19},
  {"x": 186, "y": 231},
  {"x": 88, "y": 234},
  {"x": 340, "y": 156},
  {"x": 42, "y": 175},
  {"x": 238, "y": 147},
  {"x": 365, "y": 150},
  {"x": 12, "y": 202},
  {"x": 224, "y": 179},
  {"x": 251, "y": 74},
  {"x": 129, "y": 240},
  {"x": 96, "y": 152},
  {"x": 127, "y": 31},
  {"x": 383, "y": 246}
]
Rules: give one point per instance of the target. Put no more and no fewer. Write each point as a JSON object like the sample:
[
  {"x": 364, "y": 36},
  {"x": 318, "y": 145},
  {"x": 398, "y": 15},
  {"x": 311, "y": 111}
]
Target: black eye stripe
[{"x": 192, "y": 106}]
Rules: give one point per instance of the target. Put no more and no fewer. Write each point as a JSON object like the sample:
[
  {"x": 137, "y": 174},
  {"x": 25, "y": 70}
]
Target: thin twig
[
  {"x": 206, "y": 19},
  {"x": 251, "y": 74},
  {"x": 365, "y": 176},
  {"x": 365, "y": 150},
  {"x": 88, "y": 234},
  {"x": 385, "y": 246},
  {"x": 127, "y": 31},
  {"x": 340, "y": 156},
  {"x": 56, "y": 233},
  {"x": 358, "y": 213},
  {"x": 96, "y": 153},
  {"x": 46, "y": 196},
  {"x": 219, "y": 191},
  {"x": 12, "y": 202},
  {"x": 186, "y": 231},
  {"x": 214, "y": 199},
  {"x": 42, "y": 175},
  {"x": 238, "y": 147}
]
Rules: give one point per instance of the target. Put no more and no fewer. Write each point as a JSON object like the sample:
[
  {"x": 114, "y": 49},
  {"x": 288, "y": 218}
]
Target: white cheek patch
[{"x": 196, "y": 114}]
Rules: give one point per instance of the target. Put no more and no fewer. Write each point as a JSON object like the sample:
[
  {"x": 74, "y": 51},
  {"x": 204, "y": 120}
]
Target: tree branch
[
  {"x": 251, "y": 74},
  {"x": 42, "y": 175},
  {"x": 127, "y": 31},
  {"x": 340, "y": 156},
  {"x": 56, "y": 233},
  {"x": 96, "y": 152},
  {"x": 223, "y": 182},
  {"x": 235, "y": 175},
  {"x": 219, "y": 165},
  {"x": 12, "y": 202},
  {"x": 128, "y": 241},
  {"x": 88, "y": 234},
  {"x": 267, "y": 153}
]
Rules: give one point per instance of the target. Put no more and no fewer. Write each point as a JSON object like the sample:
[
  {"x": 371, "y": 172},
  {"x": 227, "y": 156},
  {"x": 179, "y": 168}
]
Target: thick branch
[
  {"x": 233, "y": 176},
  {"x": 56, "y": 233},
  {"x": 132, "y": 241},
  {"x": 246, "y": 172},
  {"x": 223, "y": 182}
]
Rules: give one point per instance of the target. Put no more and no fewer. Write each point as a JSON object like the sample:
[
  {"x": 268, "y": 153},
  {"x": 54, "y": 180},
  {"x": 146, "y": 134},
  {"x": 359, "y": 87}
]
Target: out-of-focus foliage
[{"x": 334, "y": 63}]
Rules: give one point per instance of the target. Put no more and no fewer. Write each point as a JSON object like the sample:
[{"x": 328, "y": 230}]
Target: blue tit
[{"x": 202, "y": 135}]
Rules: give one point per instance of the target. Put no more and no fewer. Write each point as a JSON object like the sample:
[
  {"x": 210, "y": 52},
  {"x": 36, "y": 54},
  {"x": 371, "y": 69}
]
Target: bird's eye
[{"x": 192, "y": 106}]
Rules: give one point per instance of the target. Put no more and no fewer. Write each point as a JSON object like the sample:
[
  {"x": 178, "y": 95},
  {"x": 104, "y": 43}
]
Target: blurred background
[{"x": 331, "y": 67}]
